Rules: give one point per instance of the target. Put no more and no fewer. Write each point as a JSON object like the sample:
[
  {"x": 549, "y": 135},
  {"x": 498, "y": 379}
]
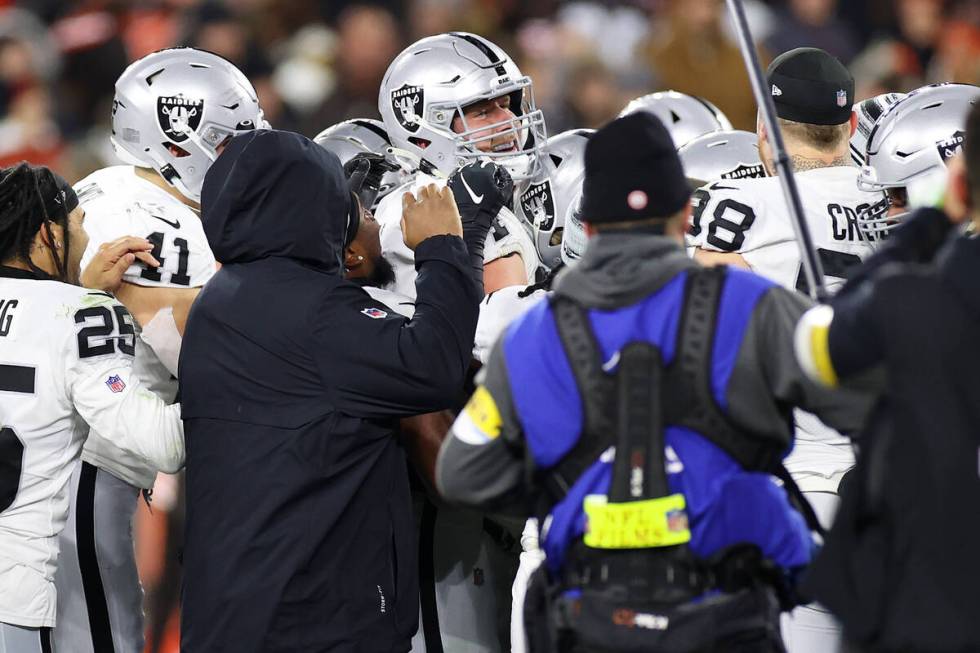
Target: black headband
[{"x": 56, "y": 193}]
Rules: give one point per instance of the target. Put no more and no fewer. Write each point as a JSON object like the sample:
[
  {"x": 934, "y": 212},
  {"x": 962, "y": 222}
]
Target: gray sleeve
[
  {"x": 766, "y": 370},
  {"x": 486, "y": 469}
]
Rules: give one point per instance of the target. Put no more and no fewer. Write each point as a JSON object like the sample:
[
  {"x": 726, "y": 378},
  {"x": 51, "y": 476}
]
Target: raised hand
[{"x": 433, "y": 213}]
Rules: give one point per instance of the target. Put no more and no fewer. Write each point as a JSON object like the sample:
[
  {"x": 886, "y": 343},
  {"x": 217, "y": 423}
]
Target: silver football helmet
[
  {"x": 685, "y": 116},
  {"x": 349, "y": 138},
  {"x": 546, "y": 201},
  {"x": 908, "y": 148},
  {"x": 433, "y": 80},
  {"x": 721, "y": 155},
  {"x": 173, "y": 108},
  {"x": 868, "y": 112}
]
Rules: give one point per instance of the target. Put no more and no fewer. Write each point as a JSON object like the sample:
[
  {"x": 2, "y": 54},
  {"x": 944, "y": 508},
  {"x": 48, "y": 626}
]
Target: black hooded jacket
[
  {"x": 299, "y": 528},
  {"x": 900, "y": 566}
]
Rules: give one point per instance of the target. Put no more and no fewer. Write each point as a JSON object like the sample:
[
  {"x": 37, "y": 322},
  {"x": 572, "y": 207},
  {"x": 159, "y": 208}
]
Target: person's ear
[
  {"x": 354, "y": 256},
  {"x": 854, "y": 124},
  {"x": 51, "y": 235}
]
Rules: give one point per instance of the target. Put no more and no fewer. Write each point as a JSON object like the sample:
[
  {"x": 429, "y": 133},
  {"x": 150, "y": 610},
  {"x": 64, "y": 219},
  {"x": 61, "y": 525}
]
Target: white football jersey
[
  {"x": 119, "y": 203},
  {"x": 507, "y": 235},
  {"x": 66, "y": 370},
  {"x": 497, "y": 310},
  {"x": 750, "y": 216}
]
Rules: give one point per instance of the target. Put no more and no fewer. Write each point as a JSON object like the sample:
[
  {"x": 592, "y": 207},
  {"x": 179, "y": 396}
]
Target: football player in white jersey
[
  {"x": 67, "y": 374},
  {"x": 173, "y": 110},
  {"x": 486, "y": 113},
  {"x": 745, "y": 222},
  {"x": 448, "y": 101}
]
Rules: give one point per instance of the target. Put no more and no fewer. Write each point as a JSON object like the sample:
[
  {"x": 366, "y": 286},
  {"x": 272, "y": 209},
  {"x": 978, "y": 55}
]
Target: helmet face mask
[
  {"x": 175, "y": 108},
  {"x": 433, "y": 81},
  {"x": 908, "y": 148}
]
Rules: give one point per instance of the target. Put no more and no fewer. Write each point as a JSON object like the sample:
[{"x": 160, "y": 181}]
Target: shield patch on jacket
[
  {"x": 538, "y": 205},
  {"x": 407, "y": 102},
  {"x": 176, "y": 114}
]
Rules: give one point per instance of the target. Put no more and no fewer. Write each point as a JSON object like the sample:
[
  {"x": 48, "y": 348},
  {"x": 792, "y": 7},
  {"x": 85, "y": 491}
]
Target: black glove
[
  {"x": 480, "y": 190},
  {"x": 364, "y": 173}
]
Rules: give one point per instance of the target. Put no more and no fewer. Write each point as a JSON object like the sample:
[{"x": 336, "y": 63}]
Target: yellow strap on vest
[{"x": 635, "y": 524}]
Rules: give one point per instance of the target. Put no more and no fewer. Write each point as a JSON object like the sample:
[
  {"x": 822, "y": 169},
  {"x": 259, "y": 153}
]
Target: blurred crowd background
[{"x": 315, "y": 63}]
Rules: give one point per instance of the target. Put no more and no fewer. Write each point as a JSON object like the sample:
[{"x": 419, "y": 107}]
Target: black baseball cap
[
  {"x": 632, "y": 172},
  {"x": 811, "y": 86}
]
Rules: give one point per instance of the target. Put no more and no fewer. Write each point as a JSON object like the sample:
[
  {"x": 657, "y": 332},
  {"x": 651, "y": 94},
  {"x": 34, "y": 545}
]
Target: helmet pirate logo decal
[
  {"x": 949, "y": 147},
  {"x": 538, "y": 205},
  {"x": 407, "y": 101},
  {"x": 176, "y": 114}
]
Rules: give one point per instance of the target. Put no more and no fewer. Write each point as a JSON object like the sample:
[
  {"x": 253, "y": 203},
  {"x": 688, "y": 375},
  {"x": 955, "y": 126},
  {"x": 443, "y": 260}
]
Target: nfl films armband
[{"x": 636, "y": 524}]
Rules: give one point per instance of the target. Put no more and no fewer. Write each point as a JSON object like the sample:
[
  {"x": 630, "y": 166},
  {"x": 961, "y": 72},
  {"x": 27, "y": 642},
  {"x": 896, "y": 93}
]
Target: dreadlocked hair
[{"x": 23, "y": 212}]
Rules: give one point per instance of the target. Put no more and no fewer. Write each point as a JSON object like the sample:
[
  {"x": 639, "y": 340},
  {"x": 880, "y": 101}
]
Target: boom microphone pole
[{"x": 812, "y": 269}]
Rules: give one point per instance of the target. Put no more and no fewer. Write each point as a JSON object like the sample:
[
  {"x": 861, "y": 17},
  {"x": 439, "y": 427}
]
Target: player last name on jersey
[{"x": 844, "y": 221}]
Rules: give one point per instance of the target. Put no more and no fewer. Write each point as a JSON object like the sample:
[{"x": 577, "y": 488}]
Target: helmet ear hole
[
  {"x": 176, "y": 150},
  {"x": 898, "y": 197},
  {"x": 556, "y": 235}
]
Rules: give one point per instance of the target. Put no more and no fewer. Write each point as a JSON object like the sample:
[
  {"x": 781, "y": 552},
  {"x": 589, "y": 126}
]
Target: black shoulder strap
[
  {"x": 628, "y": 405},
  {"x": 596, "y": 390},
  {"x": 639, "y": 470},
  {"x": 689, "y": 397}
]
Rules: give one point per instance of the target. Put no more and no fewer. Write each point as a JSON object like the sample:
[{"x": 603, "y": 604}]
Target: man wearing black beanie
[
  {"x": 746, "y": 222},
  {"x": 690, "y": 371}
]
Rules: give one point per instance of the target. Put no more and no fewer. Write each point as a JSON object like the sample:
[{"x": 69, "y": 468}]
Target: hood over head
[{"x": 276, "y": 193}]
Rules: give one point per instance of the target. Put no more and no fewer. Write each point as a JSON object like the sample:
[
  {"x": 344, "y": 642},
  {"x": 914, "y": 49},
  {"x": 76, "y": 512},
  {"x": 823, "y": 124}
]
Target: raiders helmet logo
[
  {"x": 745, "y": 171},
  {"x": 948, "y": 147},
  {"x": 407, "y": 102},
  {"x": 176, "y": 114},
  {"x": 538, "y": 206}
]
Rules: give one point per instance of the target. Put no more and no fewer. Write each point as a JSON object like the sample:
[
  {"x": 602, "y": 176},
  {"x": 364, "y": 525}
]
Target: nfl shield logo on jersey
[
  {"x": 841, "y": 98},
  {"x": 115, "y": 383},
  {"x": 374, "y": 313},
  {"x": 407, "y": 102},
  {"x": 177, "y": 115}
]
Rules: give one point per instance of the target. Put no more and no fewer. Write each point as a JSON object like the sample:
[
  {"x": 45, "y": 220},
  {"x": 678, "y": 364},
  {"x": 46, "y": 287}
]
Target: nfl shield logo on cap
[{"x": 841, "y": 98}]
